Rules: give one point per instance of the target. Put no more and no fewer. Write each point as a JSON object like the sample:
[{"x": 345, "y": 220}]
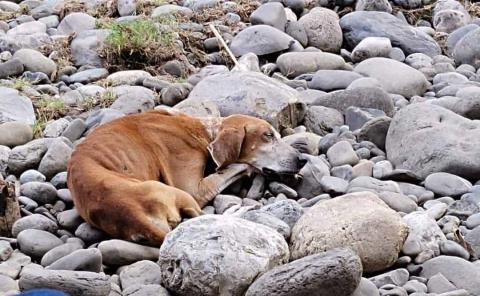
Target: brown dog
[{"x": 135, "y": 176}]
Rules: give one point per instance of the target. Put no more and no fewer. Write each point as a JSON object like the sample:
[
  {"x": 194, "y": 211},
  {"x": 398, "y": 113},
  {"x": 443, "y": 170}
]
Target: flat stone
[
  {"x": 15, "y": 133},
  {"x": 117, "y": 252},
  {"x": 36, "y": 243},
  {"x": 445, "y": 184}
]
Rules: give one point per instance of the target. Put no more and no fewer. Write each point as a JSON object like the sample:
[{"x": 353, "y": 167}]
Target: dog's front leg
[{"x": 214, "y": 184}]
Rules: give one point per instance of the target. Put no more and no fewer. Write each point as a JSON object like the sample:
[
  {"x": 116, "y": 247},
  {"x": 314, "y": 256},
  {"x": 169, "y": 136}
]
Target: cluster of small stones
[{"x": 389, "y": 203}]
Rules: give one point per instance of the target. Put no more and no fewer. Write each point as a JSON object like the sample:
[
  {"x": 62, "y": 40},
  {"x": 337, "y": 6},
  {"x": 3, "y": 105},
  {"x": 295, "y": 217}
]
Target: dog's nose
[{"x": 302, "y": 161}]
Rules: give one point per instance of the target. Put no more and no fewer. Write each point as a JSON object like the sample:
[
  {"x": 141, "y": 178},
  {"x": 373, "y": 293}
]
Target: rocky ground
[{"x": 382, "y": 96}]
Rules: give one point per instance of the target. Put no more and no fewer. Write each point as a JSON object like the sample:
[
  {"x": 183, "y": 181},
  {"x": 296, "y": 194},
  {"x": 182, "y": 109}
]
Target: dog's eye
[{"x": 269, "y": 135}]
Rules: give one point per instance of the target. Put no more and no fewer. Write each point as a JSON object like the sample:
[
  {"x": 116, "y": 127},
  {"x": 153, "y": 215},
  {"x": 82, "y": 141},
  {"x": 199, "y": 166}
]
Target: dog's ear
[{"x": 226, "y": 147}]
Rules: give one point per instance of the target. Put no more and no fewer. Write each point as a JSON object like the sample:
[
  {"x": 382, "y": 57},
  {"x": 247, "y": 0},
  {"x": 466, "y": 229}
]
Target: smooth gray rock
[
  {"x": 371, "y": 47},
  {"x": 35, "y": 221},
  {"x": 445, "y": 184},
  {"x": 133, "y": 99},
  {"x": 75, "y": 23},
  {"x": 321, "y": 120},
  {"x": 15, "y": 107},
  {"x": 473, "y": 239},
  {"x": 267, "y": 219},
  {"x": 395, "y": 77},
  {"x": 328, "y": 80},
  {"x": 15, "y": 133},
  {"x": 356, "y": 117},
  {"x": 59, "y": 252},
  {"x": 81, "y": 260},
  {"x": 69, "y": 219},
  {"x": 293, "y": 64},
  {"x": 366, "y": 288},
  {"x": 363, "y": 97},
  {"x": 375, "y": 130},
  {"x": 359, "y": 25},
  {"x": 335, "y": 272},
  {"x": 260, "y": 40},
  {"x": 140, "y": 273},
  {"x": 398, "y": 202},
  {"x": 312, "y": 173},
  {"x": 7, "y": 284},
  {"x": 89, "y": 75},
  {"x": 118, "y": 252},
  {"x": 36, "y": 243},
  {"x": 228, "y": 254},
  {"x": 465, "y": 51},
  {"x": 224, "y": 201},
  {"x": 424, "y": 234},
  {"x": 35, "y": 61},
  {"x": 460, "y": 272},
  {"x": 75, "y": 283},
  {"x": 56, "y": 159},
  {"x": 425, "y": 139},
  {"x": 457, "y": 35},
  {"x": 323, "y": 29},
  {"x": 272, "y": 14},
  {"x": 11, "y": 68},
  {"x": 397, "y": 277},
  {"x": 55, "y": 128},
  {"x": 451, "y": 248},
  {"x": 169, "y": 9},
  {"x": 4, "y": 155},
  {"x": 89, "y": 234},
  {"x": 85, "y": 46},
  {"x": 373, "y": 230},
  {"x": 342, "y": 153},
  {"x": 248, "y": 93},
  {"x": 145, "y": 290},
  {"x": 42, "y": 193}
]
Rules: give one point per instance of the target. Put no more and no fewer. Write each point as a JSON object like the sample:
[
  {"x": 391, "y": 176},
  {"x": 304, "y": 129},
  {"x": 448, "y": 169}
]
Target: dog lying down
[{"x": 136, "y": 176}]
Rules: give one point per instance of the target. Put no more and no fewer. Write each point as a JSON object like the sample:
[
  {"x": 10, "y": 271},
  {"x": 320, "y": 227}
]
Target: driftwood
[{"x": 9, "y": 208}]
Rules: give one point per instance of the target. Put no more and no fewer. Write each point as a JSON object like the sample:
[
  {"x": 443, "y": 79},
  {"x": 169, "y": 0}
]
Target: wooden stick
[
  {"x": 9, "y": 208},
  {"x": 224, "y": 44}
]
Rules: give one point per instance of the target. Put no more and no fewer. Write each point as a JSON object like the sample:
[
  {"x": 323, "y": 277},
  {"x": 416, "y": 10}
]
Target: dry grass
[
  {"x": 47, "y": 108},
  {"x": 145, "y": 7},
  {"x": 414, "y": 15},
  {"x": 107, "y": 8}
]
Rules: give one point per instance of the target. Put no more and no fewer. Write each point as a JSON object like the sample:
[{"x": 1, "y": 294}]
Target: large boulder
[
  {"x": 335, "y": 272},
  {"x": 248, "y": 93},
  {"x": 15, "y": 107},
  {"x": 360, "y": 221},
  {"x": 426, "y": 139},
  {"x": 359, "y": 25},
  {"x": 395, "y": 77},
  {"x": 219, "y": 255}
]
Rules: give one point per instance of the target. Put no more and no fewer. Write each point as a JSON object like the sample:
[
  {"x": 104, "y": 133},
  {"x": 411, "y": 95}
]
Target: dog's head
[{"x": 246, "y": 139}]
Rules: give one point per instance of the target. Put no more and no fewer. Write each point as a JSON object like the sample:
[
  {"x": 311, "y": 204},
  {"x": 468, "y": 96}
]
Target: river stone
[
  {"x": 293, "y": 64},
  {"x": 75, "y": 283},
  {"x": 260, "y": 40},
  {"x": 140, "y": 273},
  {"x": 85, "y": 47},
  {"x": 15, "y": 133},
  {"x": 363, "y": 97},
  {"x": 15, "y": 107},
  {"x": 323, "y": 29},
  {"x": 312, "y": 173},
  {"x": 56, "y": 159},
  {"x": 466, "y": 51},
  {"x": 335, "y": 272},
  {"x": 76, "y": 22},
  {"x": 42, "y": 193},
  {"x": 118, "y": 252},
  {"x": 458, "y": 34},
  {"x": 328, "y": 80},
  {"x": 272, "y": 14},
  {"x": 371, "y": 47},
  {"x": 395, "y": 77},
  {"x": 373, "y": 230},
  {"x": 217, "y": 255},
  {"x": 425, "y": 139},
  {"x": 82, "y": 260},
  {"x": 424, "y": 234},
  {"x": 59, "y": 252},
  {"x": 35, "y": 243},
  {"x": 27, "y": 156},
  {"x": 460, "y": 272},
  {"x": 359, "y": 25},
  {"x": 35, "y": 221},
  {"x": 267, "y": 219},
  {"x": 366, "y": 288},
  {"x": 35, "y": 61},
  {"x": 445, "y": 184},
  {"x": 249, "y": 93},
  {"x": 321, "y": 120}
]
